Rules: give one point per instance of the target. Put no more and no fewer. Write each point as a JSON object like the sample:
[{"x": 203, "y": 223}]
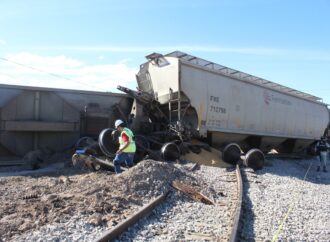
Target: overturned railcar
[
  {"x": 225, "y": 105},
  {"x": 39, "y": 119}
]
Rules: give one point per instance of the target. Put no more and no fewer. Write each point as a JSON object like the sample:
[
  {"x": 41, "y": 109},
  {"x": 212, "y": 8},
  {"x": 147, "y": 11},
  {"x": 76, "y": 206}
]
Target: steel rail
[
  {"x": 116, "y": 231},
  {"x": 237, "y": 213}
]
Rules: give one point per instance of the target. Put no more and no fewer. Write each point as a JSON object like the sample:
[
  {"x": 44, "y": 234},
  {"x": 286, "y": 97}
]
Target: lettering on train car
[
  {"x": 215, "y": 122},
  {"x": 217, "y": 109},
  {"x": 269, "y": 98},
  {"x": 214, "y": 106},
  {"x": 214, "y": 99}
]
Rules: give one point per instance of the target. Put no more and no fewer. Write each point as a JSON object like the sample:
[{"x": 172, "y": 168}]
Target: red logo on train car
[{"x": 267, "y": 97}]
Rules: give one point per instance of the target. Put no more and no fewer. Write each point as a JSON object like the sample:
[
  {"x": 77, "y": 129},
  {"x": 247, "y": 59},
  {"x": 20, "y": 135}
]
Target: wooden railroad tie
[{"x": 191, "y": 192}]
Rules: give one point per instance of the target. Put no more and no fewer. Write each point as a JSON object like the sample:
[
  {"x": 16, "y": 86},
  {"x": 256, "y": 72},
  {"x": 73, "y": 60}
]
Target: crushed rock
[{"x": 104, "y": 198}]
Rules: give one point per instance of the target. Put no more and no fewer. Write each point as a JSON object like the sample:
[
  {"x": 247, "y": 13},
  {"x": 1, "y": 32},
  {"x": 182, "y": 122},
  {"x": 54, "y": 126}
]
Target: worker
[
  {"x": 127, "y": 147},
  {"x": 322, "y": 148}
]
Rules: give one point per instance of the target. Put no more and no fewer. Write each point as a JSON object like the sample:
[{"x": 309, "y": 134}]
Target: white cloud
[
  {"x": 64, "y": 72},
  {"x": 123, "y": 61},
  {"x": 2, "y": 42}
]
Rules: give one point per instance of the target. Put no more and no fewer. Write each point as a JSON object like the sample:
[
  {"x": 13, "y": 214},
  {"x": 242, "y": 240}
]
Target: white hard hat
[{"x": 118, "y": 122}]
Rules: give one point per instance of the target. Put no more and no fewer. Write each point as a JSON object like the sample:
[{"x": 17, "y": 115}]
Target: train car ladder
[{"x": 173, "y": 100}]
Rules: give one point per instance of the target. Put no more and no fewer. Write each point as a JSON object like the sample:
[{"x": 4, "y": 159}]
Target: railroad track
[
  {"x": 277, "y": 203},
  {"x": 172, "y": 216},
  {"x": 238, "y": 208},
  {"x": 248, "y": 176}
]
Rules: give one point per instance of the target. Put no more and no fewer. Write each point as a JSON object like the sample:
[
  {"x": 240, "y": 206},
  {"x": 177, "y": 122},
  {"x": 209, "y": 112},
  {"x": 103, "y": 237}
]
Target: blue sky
[{"x": 96, "y": 45}]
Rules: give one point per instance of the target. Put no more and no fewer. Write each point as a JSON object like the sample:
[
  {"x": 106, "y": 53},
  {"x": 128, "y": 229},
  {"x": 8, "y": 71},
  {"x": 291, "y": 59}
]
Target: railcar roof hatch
[
  {"x": 240, "y": 75},
  {"x": 157, "y": 59}
]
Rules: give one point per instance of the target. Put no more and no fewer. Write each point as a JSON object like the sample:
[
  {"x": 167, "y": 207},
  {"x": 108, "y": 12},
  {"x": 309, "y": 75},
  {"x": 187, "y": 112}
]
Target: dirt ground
[{"x": 31, "y": 201}]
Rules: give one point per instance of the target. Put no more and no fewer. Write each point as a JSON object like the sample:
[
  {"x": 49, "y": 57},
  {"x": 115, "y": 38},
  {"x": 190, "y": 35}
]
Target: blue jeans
[
  {"x": 323, "y": 158},
  {"x": 123, "y": 157}
]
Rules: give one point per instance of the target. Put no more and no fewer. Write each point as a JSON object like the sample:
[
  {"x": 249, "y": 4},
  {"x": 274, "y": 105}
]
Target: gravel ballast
[
  {"x": 74, "y": 209},
  {"x": 81, "y": 207},
  {"x": 183, "y": 219},
  {"x": 280, "y": 190}
]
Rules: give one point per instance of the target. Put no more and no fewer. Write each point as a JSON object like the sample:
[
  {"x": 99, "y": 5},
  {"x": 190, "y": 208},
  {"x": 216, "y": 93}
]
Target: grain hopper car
[{"x": 226, "y": 106}]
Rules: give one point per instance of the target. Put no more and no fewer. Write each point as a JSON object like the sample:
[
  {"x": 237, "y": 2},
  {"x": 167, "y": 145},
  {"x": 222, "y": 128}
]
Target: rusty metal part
[
  {"x": 123, "y": 226},
  {"x": 237, "y": 213},
  {"x": 190, "y": 191}
]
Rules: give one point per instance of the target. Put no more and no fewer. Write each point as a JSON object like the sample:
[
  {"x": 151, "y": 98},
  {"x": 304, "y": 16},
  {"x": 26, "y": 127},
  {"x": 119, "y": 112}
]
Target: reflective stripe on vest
[{"x": 131, "y": 148}]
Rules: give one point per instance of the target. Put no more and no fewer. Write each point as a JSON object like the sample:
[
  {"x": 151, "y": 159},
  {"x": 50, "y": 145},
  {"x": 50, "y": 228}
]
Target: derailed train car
[{"x": 226, "y": 106}]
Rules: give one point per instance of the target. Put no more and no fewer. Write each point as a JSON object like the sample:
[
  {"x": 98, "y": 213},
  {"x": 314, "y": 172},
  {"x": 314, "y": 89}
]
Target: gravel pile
[
  {"x": 68, "y": 206},
  {"x": 271, "y": 192},
  {"x": 182, "y": 219}
]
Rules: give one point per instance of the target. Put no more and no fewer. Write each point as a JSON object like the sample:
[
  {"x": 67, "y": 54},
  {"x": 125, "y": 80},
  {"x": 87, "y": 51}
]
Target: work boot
[
  {"x": 324, "y": 169},
  {"x": 318, "y": 169}
]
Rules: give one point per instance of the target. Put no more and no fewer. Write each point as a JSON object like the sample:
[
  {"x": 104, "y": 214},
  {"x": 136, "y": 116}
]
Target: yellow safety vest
[{"x": 131, "y": 148}]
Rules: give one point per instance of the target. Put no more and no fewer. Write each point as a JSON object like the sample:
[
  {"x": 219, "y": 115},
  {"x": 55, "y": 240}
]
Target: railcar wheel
[
  {"x": 231, "y": 153},
  {"x": 254, "y": 159},
  {"x": 170, "y": 152},
  {"x": 108, "y": 142}
]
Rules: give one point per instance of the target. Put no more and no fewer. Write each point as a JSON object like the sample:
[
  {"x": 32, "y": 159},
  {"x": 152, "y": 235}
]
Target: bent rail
[
  {"x": 237, "y": 214},
  {"x": 123, "y": 226}
]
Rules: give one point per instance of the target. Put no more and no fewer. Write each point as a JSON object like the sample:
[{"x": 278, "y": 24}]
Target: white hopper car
[{"x": 225, "y": 105}]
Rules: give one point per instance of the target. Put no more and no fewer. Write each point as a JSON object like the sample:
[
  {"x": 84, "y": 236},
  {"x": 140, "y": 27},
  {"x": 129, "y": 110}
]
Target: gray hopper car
[{"x": 225, "y": 105}]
